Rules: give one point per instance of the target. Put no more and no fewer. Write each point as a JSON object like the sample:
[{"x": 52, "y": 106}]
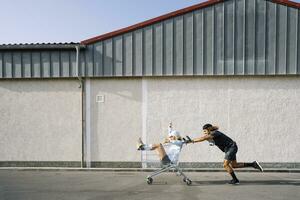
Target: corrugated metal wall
[
  {"x": 37, "y": 64},
  {"x": 236, "y": 37}
]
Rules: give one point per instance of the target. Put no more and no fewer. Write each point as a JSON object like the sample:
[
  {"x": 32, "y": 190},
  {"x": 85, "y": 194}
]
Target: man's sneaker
[
  {"x": 234, "y": 182},
  {"x": 140, "y": 145},
  {"x": 256, "y": 165}
]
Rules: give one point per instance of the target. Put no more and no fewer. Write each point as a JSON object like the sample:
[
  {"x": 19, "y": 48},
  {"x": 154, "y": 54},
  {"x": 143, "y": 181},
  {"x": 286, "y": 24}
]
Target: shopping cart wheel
[
  {"x": 187, "y": 181},
  {"x": 149, "y": 180}
]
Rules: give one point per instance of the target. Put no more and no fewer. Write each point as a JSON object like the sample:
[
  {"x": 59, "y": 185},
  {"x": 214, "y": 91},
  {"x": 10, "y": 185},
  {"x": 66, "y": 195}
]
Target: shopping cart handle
[{"x": 188, "y": 140}]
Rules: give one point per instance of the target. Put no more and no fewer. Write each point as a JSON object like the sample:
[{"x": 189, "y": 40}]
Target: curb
[{"x": 275, "y": 170}]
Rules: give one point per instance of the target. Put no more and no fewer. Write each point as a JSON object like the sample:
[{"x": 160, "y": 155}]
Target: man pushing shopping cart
[{"x": 174, "y": 143}]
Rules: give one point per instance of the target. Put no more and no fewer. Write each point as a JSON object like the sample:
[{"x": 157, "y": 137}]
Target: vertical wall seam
[
  {"x": 113, "y": 59},
  {"x": 255, "y": 37},
  {"x": 266, "y": 37},
  {"x": 233, "y": 32},
  {"x": 213, "y": 40},
  {"x": 123, "y": 56},
  {"x": 174, "y": 46},
  {"x": 31, "y": 65},
  {"x": 144, "y": 118},
  {"x": 41, "y": 65},
  {"x": 69, "y": 64},
  {"x": 224, "y": 39},
  {"x": 133, "y": 56},
  {"x": 153, "y": 50},
  {"x": 143, "y": 52},
  {"x": 194, "y": 45},
  {"x": 2, "y": 65},
  {"x": 163, "y": 48},
  {"x": 93, "y": 59},
  {"x": 184, "y": 45},
  {"x": 286, "y": 41},
  {"x": 203, "y": 43},
  {"x": 276, "y": 39},
  {"x": 103, "y": 57},
  {"x": 50, "y": 64},
  {"x": 12, "y": 65},
  {"x": 297, "y": 42},
  {"x": 22, "y": 65},
  {"x": 60, "y": 67},
  {"x": 244, "y": 37}
]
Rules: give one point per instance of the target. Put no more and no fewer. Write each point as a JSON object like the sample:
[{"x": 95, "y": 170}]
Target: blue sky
[{"x": 33, "y": 21}]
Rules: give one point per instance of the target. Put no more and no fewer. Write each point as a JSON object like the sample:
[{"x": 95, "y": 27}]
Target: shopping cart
[{"x": 150, "y": 160}]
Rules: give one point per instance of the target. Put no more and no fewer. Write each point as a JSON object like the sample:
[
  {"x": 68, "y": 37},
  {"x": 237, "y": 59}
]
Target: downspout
[{"x": 81, "y": 85}]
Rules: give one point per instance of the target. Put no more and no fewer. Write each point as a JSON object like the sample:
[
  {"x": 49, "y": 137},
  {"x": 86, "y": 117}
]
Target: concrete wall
[
  {"x": 261, "y": 114},
  {"x": 40, "y": 120}
]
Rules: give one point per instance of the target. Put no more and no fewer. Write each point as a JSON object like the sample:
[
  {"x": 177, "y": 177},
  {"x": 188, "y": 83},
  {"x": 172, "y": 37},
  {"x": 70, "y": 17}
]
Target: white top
[{"x": 173, "y": 149}]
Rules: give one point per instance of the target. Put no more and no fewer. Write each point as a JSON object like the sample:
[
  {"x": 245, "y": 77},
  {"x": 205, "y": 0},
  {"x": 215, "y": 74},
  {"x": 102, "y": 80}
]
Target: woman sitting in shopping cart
[{"x": 173, "y": 143}]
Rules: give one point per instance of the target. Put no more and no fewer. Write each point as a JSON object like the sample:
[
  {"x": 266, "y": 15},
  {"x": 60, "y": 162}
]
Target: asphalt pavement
[{"x": 99, "y": 185}]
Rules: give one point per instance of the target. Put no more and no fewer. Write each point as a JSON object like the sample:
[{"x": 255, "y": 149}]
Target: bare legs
[{"x": 158, "y": 147}]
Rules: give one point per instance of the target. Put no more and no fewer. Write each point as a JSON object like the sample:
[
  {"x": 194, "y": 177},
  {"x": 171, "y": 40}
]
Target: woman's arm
[{"x": 203, "y": 138}]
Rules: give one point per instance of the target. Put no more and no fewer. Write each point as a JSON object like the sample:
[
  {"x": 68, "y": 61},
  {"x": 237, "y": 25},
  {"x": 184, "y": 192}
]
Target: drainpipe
[{"x": 81, "y": 85}]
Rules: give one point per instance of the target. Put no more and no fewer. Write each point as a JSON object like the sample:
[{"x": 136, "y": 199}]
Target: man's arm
[{"x": 203, "y": 138}]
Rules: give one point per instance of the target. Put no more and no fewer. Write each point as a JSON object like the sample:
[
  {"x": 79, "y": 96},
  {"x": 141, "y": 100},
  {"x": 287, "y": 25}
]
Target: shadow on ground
[{"x": 256, "y": 182}]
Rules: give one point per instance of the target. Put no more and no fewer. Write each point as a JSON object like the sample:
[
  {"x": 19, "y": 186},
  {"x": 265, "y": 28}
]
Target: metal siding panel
[
  {"x": 219, "y": 39},
  {"x": 73, "y": 70},
  {"x": 82, "y": 65},
  {"x": 65, "y": 64},
  {"x": 189, "y": 44},
  {"x": 148, "y": 58},
  {"x": 178, "y": 46},
  {"x": 46, "y": 64},
  {"x": 239, "y": 34},
  {"x": 229, "y": 37},
  {"x": 158, "y": 52},
  {"x": 1, "y": 65},
  {"x": 89, "y": 59},
  {"x": 250, "y": 38},
  {"x": 260, "y": 57},
  {"x": 98, "y": 58},
  {"x": 17, "y": 64},
  {"x": 209, "y": 40},
  {"x": 55, "y": 64},
  {"x": 138, "y": 57},
  {"x": 118, "y": 59},
  {"x": 168, "y": 47},
  {"x": 298, "y": 43},
  {"x": 26, "y": 60},
  {"x": 292, "y": 41},
  {"x": 8, "y": 65},
  {"x": 271, "y": 38},
  {"x": 281, "y": 39},
  {"x": 36, "y": 64},
  {"x": 108, "y": 58},
  {"x": 128, "y": 55},
  {"x": 199, "y": 42}
]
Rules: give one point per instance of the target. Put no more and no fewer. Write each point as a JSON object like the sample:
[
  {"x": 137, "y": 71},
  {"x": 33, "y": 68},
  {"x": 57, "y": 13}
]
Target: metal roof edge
[
  {"x": 54, "y": 46},
  {"x": 170, "y": 15}
]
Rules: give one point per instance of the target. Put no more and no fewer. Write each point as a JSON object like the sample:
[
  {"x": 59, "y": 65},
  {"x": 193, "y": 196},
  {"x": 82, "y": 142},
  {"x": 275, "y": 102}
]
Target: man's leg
[
  {"x": 254, "y": 164},
  {"x": 228, "y": 168}
]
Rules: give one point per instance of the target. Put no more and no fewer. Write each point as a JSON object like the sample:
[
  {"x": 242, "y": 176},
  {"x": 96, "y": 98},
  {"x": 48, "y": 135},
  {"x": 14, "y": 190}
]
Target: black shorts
[
  {"x": 166, "y": 160},
  {"x": 230, "y": 153}
]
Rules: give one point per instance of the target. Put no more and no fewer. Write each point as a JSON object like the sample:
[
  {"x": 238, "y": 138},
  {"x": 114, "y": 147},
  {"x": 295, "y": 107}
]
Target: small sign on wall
[{"x": 100, "y": 98}]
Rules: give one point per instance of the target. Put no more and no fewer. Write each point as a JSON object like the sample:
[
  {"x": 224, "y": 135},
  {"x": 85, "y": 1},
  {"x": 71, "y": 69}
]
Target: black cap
[{"x": 206, "y": 126}]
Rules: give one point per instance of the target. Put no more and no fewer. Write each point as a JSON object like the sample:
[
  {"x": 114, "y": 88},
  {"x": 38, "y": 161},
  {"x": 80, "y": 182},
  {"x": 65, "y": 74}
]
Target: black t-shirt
[{"x": 222, "y": 140}]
